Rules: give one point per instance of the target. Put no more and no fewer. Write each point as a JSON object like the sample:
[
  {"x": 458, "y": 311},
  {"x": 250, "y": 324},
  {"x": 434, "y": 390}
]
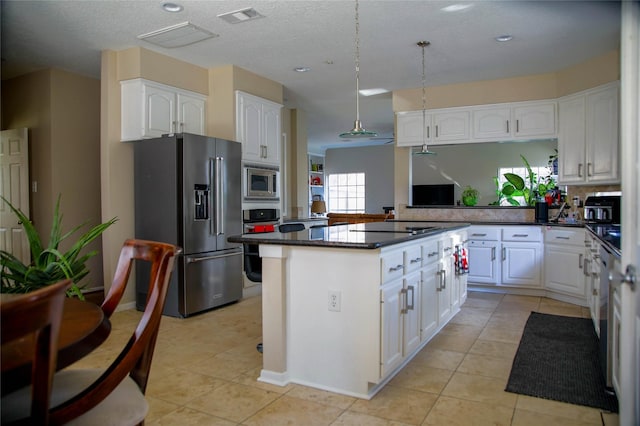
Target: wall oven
[
  {"x": 261, "y": 183},
  {"x": 257, "y": 221}
]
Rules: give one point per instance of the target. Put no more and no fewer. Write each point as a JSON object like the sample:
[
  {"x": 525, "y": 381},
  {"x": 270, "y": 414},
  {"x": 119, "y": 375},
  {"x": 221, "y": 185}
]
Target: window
[
  {"x": 346, "y": 193},
  {"x": 541, "y": 174}
]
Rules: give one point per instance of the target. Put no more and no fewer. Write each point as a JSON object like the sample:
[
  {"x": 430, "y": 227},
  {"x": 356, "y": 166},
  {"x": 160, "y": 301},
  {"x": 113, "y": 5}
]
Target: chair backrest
[
  {"x": 37, "y": 314},
  {"x": 135, "y": 358},
  {"x": 291, "y": 227}
]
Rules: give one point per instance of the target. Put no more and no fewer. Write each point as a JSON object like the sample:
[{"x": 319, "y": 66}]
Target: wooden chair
[
  {"x": 115, "y": 396},
  {"x": 37, "y": 314}
]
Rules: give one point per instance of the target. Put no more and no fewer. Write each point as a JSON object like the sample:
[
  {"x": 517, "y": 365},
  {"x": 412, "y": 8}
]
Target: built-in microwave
[{"x": 261, "y": 183}]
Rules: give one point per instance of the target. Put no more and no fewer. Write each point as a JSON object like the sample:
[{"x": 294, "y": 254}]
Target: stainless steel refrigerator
[{"x": 188, "y": 192}]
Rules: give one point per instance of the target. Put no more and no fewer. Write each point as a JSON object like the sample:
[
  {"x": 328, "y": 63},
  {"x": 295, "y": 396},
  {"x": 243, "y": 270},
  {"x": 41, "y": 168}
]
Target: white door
[
  {"x": 14, "y": 186},
  {"x": 630, "y": 139}
]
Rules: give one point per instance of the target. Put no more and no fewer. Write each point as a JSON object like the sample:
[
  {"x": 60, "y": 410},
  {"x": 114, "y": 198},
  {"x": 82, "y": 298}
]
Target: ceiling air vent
[
  {"x": 241, "y": 15},
  {"x": 178, "y": 35}
]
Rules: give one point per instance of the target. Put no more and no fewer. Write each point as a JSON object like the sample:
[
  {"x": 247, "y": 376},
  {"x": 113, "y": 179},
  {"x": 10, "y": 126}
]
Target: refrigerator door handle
[
  {"x": 217, "y": 256},
  {"x": 220, "y": 195}
]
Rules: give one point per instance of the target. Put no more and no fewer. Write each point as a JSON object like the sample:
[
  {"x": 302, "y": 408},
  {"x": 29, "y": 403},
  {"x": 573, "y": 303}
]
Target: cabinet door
[
  {"x": 249, "y": 127},
  {"x": 271, "y": 133},
  {"x": 429, "y": 286},
  {"x": 563, "y": 269},
  {"x": 521, "y": 264},
  {"x": 451, "y": 126},
  {"x": 535, "y": 120},
  {"x": 602, "y": 136},
  {"x": 410, "y": 128},
  {"x": 411, "y": 317},
  {"x": 483, "y": 262},
  {"x": 491, "y": 123},
  {"x": 391, "y": 316},
  {"x": 571, "y": 140},
  {"x": 159, "y": 111},
  {"x": 444, "y": 293},
  {"x": 191, "y": 114}
]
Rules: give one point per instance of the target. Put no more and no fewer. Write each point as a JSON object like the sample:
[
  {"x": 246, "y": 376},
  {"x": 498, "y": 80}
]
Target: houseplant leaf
[
  {"x": 515, "y": 180},
  {"x": 49, "y": 265}
]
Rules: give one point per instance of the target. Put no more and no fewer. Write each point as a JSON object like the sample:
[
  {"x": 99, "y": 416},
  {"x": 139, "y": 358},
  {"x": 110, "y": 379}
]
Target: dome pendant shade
[
  {"x": 424, "y": 151},
  {"x": 358, "y": 131}
]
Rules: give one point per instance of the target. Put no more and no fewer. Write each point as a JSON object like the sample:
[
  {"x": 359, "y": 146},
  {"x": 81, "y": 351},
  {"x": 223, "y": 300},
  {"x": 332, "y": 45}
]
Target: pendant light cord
[
  {"x": 357, "y": 64},
  {"x": 424, "y": 44}
]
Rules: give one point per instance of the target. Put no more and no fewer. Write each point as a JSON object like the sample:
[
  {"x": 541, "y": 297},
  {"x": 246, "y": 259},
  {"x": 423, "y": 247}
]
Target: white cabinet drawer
[
  {"x": 392, "y": 266},
  {"x": 564, "y": 235},
  {"x": 491, "y": 233},
  {"x": 412, "y": 258},
  {"x": 522, "y": 233},
  {"x": 431, "y": 252}
]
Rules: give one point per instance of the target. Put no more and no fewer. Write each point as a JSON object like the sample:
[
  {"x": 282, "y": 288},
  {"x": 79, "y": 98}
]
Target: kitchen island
[{"x": 346, "y": 307}]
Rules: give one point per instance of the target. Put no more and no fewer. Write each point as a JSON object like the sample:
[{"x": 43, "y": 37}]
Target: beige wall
[
  {"x": 594, "y": 72},
  {"x": 223, "y": 83},
  {"x": 299, "y": 174},
  {"x": 219, "y": 84},
  {"x": 61, "y": 111}
]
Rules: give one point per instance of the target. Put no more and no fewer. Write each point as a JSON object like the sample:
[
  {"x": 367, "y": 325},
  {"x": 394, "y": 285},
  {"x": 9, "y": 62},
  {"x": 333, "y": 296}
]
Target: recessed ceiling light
[
  {"x": 456, "y": 7},
  {"x": 302, "y": 69},
  {"x": 371, "y": 92},
  {"x": 172, "y": 7},
  {"x": 505, "y": 37},
  {"x": 241, "y": 15}
]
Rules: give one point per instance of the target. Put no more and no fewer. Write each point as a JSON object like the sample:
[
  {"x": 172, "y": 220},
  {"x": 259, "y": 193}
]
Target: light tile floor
[{"x": 205, "y": 368}]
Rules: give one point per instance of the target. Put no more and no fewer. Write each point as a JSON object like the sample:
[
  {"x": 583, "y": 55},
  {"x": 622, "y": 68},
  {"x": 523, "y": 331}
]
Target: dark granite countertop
[
  {"x": 360, "y": 235},
  {"x": 608, "y": 234},
  {"x": 485, "y": 222}
]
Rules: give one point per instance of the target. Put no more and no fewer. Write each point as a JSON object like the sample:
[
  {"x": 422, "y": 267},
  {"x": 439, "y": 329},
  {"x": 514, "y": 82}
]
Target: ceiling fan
[{"x": 387, "y": 139}]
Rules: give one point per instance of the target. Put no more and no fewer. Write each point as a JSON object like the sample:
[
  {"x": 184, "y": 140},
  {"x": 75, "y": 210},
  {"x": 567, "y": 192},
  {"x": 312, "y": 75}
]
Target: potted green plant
[
  {"x": 528, "y": 187},
  {"x": 49, "y": 265},
  {"x": 470, "y": 196}
]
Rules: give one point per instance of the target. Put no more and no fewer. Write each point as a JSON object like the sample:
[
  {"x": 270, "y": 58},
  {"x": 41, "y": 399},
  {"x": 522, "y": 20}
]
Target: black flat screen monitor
[{"x": 433, "y": 195}]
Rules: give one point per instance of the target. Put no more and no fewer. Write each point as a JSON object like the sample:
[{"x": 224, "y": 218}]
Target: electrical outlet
[{"x": 335, "y": 301}]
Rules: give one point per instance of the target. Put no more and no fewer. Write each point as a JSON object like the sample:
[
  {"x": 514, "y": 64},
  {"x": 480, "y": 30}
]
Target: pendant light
[
  {"x": 358, "y": 131},
  {"x": 424, "y": 150}
]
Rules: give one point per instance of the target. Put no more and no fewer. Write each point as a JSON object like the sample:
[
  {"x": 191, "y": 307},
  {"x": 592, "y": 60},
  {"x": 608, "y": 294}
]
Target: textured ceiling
[{"x": 548, "y": 36}]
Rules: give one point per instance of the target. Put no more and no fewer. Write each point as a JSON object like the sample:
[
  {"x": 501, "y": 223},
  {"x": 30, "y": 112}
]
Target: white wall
[{"x": 377, "y": 164}]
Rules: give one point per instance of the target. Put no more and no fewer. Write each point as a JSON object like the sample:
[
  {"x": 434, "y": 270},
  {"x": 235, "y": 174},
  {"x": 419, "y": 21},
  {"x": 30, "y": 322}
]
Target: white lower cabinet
[
  {"x": 522, "y": 256},
  {"x": 508, "y": 256},
  {"x": 392, "y": 323},
  {"x": 564, "y": 262},
  {"x": 591, "y": 271},
  {"x": 420, "y": 293},
  {"x": 411, "y": 310},
  {"x": 429, "y": 286}
]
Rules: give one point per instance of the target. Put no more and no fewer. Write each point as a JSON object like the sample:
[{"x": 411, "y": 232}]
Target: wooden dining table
[{"x": 84, "y": 327}]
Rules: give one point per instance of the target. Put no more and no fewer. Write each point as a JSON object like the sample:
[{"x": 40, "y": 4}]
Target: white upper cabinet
[
  {"x": 492, "y": 123},
  {"x": 441, "y": 126},
  {"x": 482, "y": 123},
  {"x": 151, "y": 109},
  {"x": 452, "y": 125},
  {"x": 409, "y": 128},
  {"x": 258, "y": 128},
  {"x": 534, "y": 119},
  {"x": 588, "y": 143}
]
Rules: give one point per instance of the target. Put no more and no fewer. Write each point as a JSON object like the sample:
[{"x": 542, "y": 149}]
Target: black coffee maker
[{"x": 542, "y": 212}]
